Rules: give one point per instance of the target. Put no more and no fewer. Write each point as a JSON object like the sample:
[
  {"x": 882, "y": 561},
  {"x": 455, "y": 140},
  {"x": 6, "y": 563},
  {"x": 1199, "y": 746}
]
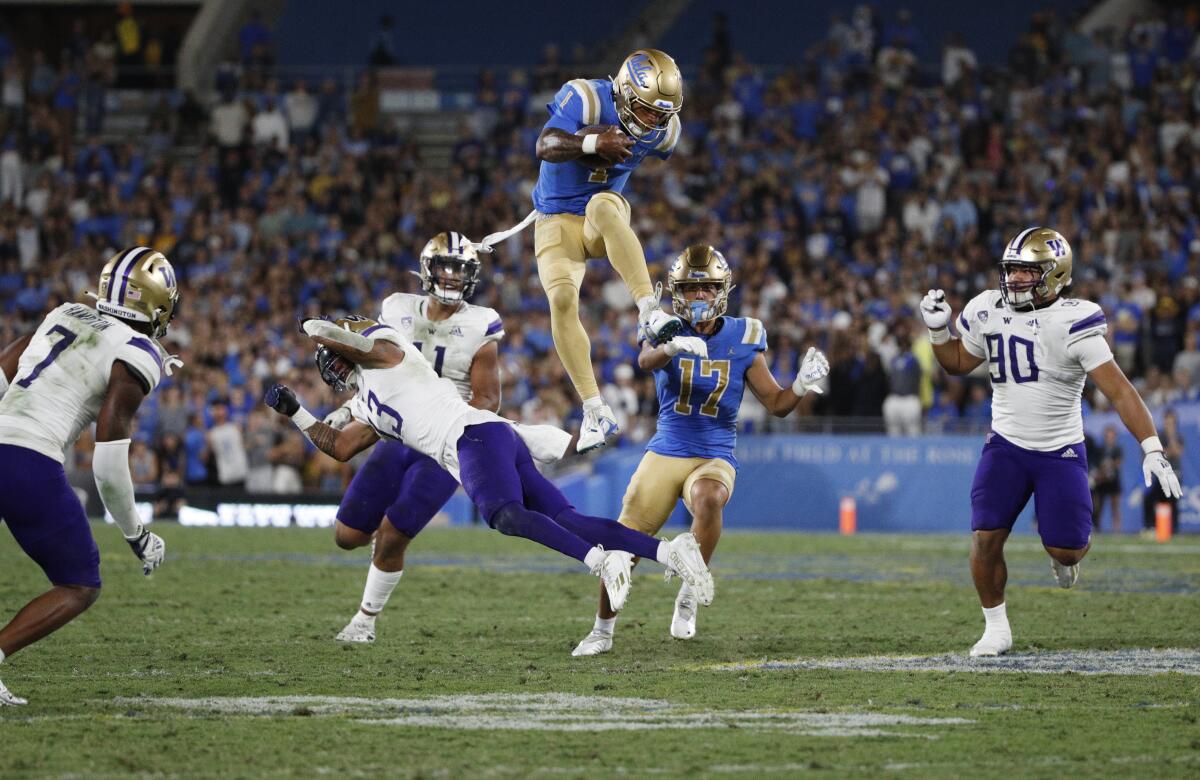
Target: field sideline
[{"x": 821, "y": 655}]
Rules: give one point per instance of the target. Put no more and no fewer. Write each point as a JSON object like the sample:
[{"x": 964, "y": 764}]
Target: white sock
[
  {"x": 1, "y": 656},
  {"x": 378, "y": 590},
  {"x": 663, "y": 555},
  {"x": 595, "y": 402},
  {"x": 604, "y": 625},
  {"x": 593, "y": 558},
  {"x": 647, "y": 304},
  {"x": 996, "y": 618}
]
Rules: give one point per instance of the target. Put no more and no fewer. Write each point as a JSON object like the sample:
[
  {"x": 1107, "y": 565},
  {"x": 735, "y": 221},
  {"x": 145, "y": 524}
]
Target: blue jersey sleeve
[
  {"x": 666, "y": 146},
  {"x": 755, "y": 335},
  {"x": 567, "y": 109}
]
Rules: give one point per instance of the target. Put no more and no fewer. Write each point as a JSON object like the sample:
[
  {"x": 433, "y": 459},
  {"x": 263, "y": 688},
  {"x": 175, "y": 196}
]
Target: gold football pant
[
  {"x": 562, "y": 244},
  {"x": 660, "y": 480}
]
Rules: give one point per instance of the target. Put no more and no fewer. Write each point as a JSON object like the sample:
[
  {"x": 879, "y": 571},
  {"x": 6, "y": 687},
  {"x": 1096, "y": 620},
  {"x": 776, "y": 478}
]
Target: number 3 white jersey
[
  {"x": 1038, "y": 361},
  {"x": 62, "y": 377},
  {"x": 450, "y": 344}
]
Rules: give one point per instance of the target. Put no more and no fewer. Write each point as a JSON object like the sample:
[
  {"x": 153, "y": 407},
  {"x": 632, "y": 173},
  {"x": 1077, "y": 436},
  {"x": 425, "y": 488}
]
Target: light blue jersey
[
  {"x": 699, "y": 398},
  {"x": 566, "y": 187}
]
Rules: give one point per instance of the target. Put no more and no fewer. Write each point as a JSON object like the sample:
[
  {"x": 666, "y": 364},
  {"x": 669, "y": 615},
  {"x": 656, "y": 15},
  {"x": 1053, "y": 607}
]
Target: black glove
[{"x": 282, "y": 399}]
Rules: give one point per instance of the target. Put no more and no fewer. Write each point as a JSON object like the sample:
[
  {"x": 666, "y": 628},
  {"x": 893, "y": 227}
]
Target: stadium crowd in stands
[{"x": 840, "y": 187}]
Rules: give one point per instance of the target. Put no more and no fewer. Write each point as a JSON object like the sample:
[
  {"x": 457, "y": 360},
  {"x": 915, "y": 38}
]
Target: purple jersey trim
[
  {"x": 144, "y": 344},
  {"x": 495, "y": 327},
  {"x": 962, "y": 320},
  {"x": 1090, "y": 322}
]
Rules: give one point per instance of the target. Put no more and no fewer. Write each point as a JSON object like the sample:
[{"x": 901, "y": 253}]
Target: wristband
[
  {"x": 939, "y": 336},
  {"x": 303, "y": 419},
  {"x": 1151, "y": 444},
  {"x": 589, "y": 143}
]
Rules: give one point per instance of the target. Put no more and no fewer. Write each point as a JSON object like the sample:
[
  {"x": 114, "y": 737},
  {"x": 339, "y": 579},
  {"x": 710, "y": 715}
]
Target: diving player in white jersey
[
  {"x": 1040, "y": 348},
  {"x": 81, "y": 365},
  {"x": 398, "y": 490},
  {"x": 399, "y": 396}
]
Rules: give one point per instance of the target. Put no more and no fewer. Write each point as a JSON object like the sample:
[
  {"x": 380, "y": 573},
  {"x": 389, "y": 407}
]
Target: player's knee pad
[
  {"x": 606, "y": 206},
  {"x": 512, "y": 519},
  {"x": 563, "y": 298}
]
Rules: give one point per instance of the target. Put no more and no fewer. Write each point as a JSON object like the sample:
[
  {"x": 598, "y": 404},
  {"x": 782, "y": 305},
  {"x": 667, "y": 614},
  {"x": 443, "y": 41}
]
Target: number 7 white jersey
[
  {"x": 1038, "y": 362},
  {"x": 63, "y": 373}
]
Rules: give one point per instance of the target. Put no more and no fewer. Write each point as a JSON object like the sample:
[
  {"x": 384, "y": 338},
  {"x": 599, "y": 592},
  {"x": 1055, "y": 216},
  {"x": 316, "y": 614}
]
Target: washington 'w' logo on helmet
[{"x": 139, "y": 284}]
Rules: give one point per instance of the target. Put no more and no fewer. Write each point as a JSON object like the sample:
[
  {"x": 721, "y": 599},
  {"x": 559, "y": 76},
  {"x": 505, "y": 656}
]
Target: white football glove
[
  {"x": 934, "y": 310},
  {"x": 339, "y": 418},
  {"x": 813, "y": 369},
  {"x": 150, "y": 549},
  {"x": 1155, "y": 464},
  {"x": 688, "y": 345}
]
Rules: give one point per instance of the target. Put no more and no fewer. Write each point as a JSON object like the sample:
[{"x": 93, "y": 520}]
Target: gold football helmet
[
  {"x": 1047, "y": 252},
  {"x": 700, "y": 264},
  {"x": 648, "y": 79},
  {"x": 449, "y": 257},
  {"x": 139, "y": 284},
  {"x": 337, "y": 371}
]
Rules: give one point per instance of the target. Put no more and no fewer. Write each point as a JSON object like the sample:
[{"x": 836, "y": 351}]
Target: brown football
[{"x": 592, "y": 160}]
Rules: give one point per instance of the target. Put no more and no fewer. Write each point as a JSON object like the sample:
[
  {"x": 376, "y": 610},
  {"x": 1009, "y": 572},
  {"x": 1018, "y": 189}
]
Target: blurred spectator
[
  {"x": 254, "y": 41},
  {"x": 229, "y": 122},
  {"x": 129, "y": 37},
  {"x": 228, "y": 449},
  {"x": 301, "y": 106},
  {"x": 143, "y": 467},
  {"x": 1106, "y": 466},
  {"x": 902, "y": 407},
  {"x": 261, "y": 440},
  {"x": 271, "y": 127},
  {"x": 382, "y": 50}
]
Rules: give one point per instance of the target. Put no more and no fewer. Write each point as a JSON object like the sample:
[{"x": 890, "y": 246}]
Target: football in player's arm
[
  {"x": 700, "y": 377},
  {"x": 81, "y": 365},
  {"x": 398, "y": 395},
  {"x": 598, "y": 132},
  {"x": 1040, "y": 348},
  {"x": 399, "y": 490}
]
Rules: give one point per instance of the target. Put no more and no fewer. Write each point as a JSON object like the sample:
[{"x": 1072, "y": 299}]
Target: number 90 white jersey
[
  {"x": 1038, "y": 362},
  {"x": 63, "y": 374},
  {"x": 450, "y": 344}
]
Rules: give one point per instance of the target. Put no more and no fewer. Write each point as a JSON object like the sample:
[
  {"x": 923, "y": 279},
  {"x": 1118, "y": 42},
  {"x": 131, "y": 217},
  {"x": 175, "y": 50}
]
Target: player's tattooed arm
[
  {"x": 485, "y": 378},
  {"x": 779, "y": 401},
  {"x": 344, "y": 444},
  {"x": 557, "y": 145}
]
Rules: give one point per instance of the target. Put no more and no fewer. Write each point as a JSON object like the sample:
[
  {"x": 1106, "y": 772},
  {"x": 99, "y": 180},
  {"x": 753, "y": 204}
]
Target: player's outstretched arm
[
  {"x": 949, "y": 351},
  {"x": 340, "y": 445},
  {"x": 557, "y": 145},
  {"x": 110, "y": 463},
  {"x": 1124, "y": 397},
  {"x": 780, "y": 401},
  {"x": 485, "y": 378},
  {"x": 652, "y": 358}
]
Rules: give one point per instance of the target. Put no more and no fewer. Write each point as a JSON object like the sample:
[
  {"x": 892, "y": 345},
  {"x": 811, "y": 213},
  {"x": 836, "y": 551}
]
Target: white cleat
[
  {"x": 595, "y": 643},
  {"x": 683, "y": 621},
  {"x": 616, "y": 570},
  {"x": 7, "y": 699},
  {"x": 1066, "y": 576},
  {"x": 684, "y": 559},
  {"x": 661, "y": 327},
  {"x": 598, "y": 424},
  {"x": 994, "y": 642},
  {"x": 360, "y": 630}
]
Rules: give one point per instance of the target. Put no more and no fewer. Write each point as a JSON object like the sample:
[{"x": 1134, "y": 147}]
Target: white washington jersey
[
  {"x": 450, "y": 344},
  {"x": 1038, "y": 361},
  {"x": 62, "y": 377}
]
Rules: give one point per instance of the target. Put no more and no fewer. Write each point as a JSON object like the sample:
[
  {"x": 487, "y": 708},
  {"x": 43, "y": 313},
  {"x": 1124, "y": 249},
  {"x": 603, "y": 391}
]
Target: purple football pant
[
  {"x": 1008, "y": 475},
  {"x": 45, "y": 517},
  {"x": 397, "y": 482},
  {"x": 512, "y": 495}
]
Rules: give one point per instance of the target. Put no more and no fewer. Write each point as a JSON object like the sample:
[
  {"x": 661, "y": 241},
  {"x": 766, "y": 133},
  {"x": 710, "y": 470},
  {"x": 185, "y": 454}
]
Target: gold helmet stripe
[
  {"x": 591, "y": 101},
  {"x": 671, "y": 137}
]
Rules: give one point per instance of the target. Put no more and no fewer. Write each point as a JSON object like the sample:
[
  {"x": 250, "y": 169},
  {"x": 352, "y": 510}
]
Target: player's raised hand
[
  {"x": 813, "y": 368},
  {"x": 688, "y": 345},
  {"x": 614, "y": 146},
  {"x": 150, "y": 550},
  {"x": 934, "y": 310},
  {"x": 282, "y": 399},
  {"x": 1156, "y": 465}
]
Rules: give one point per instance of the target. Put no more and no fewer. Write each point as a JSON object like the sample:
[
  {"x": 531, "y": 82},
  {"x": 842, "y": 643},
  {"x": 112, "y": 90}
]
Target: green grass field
[{"x": 223, "y": 665}]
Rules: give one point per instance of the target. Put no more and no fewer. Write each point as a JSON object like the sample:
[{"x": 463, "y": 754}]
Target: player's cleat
[
  {"x": 7, "y": 699},
  {"x": 995, "y": 641},
  {"x": 683, "y": 621},
  {"x": 1065, "y": 575},
  {"x": 661, "y": 327},
  {"x": 684, "y": 559},
  {"x": 595, "y": 643},
  {"x": 616, "y": 570},
  {"x": 598, "y": 424},
  {"x": 360, "y": 630}
]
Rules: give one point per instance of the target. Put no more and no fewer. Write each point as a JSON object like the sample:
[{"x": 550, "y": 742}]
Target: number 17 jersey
[
  {"x": 1038, "y": 361},
  {"x": 699, "y": 398}
]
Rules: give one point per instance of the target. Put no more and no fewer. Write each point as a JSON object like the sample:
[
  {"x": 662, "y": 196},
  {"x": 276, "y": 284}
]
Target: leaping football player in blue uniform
[
  {"x": 581, "y": 212},
  {"x": 1040, "y": 348},
  {"x": 701, "y": 376}
]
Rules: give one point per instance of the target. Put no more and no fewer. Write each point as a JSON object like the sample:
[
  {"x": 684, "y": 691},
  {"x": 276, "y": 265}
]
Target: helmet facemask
[
  {"x": 697, "y": 310},
  {"x": 449, "y": 279},
  {"x": 336, "y": 371},
  {"x": 1023, "y": 295},
  {"x": 630, "y": 121}
]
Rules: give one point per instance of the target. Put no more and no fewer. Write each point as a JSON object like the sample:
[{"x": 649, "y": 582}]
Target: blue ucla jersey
[
  {"x": 699, "y": 398},
  {"x": 566, "y": 187}
]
